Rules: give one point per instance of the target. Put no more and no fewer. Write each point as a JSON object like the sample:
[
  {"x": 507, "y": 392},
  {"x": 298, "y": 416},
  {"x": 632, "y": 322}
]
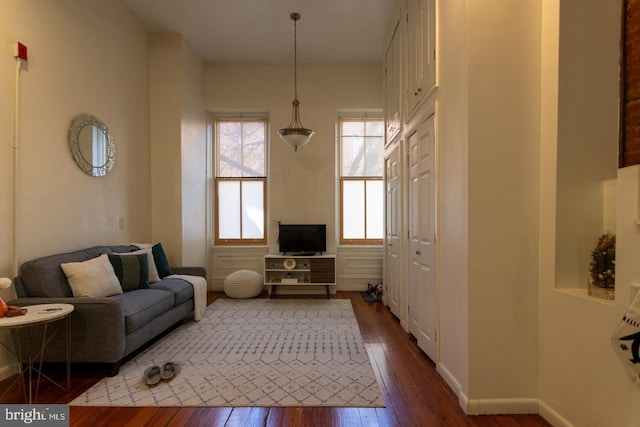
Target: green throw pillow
[
  {"x": 160, "y": 259},
  {"x": 132, "y": 271}
]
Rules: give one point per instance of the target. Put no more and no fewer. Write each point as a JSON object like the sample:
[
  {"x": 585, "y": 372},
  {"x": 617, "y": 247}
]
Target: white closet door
[
  {"x": 393, "y": 276},
  {"x": 423, "y": 306}
]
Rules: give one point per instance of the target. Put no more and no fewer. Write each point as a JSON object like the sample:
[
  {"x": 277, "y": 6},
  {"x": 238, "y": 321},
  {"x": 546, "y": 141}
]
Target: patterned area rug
[{"x": 253, "y": 352}]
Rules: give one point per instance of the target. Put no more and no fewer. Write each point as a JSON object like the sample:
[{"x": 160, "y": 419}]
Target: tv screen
[{"x": 303, "y": 239}]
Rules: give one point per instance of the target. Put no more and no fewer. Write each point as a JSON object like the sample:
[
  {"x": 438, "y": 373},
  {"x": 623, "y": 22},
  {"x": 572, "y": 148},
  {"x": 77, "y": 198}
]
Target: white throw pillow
[
  {"x": 92, "y": 278},
  {"x": 153, "y": 270}
]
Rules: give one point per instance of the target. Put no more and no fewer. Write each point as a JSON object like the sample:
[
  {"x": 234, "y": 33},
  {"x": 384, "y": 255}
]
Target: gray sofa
[{"x": 105, "y": 329}]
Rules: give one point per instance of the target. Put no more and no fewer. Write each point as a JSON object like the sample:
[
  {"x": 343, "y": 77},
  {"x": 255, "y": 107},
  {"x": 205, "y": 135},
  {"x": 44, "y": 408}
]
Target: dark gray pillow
[{"x": 132, "y": 271}]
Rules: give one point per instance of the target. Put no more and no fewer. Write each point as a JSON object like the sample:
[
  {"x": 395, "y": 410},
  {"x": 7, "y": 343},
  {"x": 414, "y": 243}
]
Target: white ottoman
[{"x": 243, "y": 284}]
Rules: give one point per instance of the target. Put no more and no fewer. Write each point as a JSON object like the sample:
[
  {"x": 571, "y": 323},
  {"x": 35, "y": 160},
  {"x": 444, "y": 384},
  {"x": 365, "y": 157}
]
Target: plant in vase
[{"x": 602, "y": 269}]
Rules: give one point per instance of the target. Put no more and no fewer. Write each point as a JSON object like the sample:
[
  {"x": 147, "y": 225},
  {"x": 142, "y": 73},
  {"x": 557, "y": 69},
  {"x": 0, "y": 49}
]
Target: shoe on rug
[
  {"x": 152, "y": 375},
  {"x": 170, "y": 370}
]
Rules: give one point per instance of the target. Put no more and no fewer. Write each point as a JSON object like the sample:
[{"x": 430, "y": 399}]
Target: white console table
[{"x": 299, "y": 270}]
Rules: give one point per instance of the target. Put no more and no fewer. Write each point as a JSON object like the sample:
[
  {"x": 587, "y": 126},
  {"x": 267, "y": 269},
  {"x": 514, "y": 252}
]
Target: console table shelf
[{"x": 299, "y": 270}]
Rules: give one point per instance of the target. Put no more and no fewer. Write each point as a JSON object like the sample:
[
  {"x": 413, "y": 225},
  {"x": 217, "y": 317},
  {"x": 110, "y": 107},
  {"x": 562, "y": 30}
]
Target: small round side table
[{"x": 36, "y": 316}]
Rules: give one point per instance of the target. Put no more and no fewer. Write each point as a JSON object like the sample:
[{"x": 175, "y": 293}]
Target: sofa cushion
[
  {"x": 132, "y": 271},
  {"x": 181, "y": 289},
  {"x": 153, "y": 270},
  {"x": 43, "y": 277},
  {"x": 141, "y": 306},
  {"x": 92, "y": 278},
  {"x": 161, "y": 261}
]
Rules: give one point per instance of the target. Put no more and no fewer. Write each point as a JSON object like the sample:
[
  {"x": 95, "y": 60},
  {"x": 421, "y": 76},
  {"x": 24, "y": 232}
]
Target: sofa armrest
[
  {"x": 190, "y": 271},
  {"x": 97, "y": 329}
]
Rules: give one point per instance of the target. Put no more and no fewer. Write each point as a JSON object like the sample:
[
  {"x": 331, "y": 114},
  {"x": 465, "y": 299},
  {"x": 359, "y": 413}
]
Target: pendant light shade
[{"x": 295, "y": 135}]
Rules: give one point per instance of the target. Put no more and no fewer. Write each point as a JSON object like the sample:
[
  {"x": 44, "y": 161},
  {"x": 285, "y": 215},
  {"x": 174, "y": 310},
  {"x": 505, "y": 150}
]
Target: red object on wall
[{"x": 22, "y": 51}]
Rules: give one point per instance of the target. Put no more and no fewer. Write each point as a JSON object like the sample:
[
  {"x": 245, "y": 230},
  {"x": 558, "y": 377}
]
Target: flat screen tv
[{"x": 302, "y": 239}]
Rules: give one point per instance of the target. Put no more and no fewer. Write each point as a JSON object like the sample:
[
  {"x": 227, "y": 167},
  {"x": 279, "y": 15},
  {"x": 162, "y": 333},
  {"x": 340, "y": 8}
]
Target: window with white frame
[
  {"x": 240, "y": 184},
  {"x": 361, "y": 186}
]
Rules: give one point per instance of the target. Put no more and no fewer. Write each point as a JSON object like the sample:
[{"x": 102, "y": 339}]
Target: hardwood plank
[
  {"x": 247, "y": 417},
  {"x": 414, "y": 393},
  {"x": 279, "y": 417},
  {"x": 112, "y": 416},
  {"x": 162, "y": 417},
  {"x": 204, "y": 417}
]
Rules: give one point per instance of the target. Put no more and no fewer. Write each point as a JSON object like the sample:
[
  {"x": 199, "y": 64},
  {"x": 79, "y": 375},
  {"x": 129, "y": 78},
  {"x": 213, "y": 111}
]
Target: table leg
[
  {"x": 41, "y": 353},
  {"x": 68, "y": 319},
  {"x": 30, "y": 357}
]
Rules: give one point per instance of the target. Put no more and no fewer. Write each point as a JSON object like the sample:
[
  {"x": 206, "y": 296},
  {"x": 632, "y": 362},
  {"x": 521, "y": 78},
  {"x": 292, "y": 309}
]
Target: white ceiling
[{"x": 261, "y": 30}]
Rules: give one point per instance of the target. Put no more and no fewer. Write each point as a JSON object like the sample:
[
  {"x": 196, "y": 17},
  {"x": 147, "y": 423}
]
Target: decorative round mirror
[{"x": 92, "y": 146}]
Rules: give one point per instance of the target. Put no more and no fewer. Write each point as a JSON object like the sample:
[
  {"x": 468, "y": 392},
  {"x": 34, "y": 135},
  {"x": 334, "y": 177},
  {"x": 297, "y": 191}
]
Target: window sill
[{"x": 584, "y": 294}]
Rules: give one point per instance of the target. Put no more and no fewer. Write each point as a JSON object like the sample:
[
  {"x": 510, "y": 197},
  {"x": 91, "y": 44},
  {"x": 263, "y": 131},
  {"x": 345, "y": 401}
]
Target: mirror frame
[{"x": 74, "y": 143}]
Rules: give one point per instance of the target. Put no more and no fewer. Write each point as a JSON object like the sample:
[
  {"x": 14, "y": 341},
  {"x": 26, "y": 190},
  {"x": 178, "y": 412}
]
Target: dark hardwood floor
[{"x": 413, "y": 391}]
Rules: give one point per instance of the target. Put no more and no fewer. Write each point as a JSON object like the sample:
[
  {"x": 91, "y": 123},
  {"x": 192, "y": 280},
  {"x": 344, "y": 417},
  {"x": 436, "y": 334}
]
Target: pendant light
[{"x": 295, "y": 135}]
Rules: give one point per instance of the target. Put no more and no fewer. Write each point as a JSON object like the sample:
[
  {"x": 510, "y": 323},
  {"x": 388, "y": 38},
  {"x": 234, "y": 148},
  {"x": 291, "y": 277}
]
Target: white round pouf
[{"x": 243, "y": 284}]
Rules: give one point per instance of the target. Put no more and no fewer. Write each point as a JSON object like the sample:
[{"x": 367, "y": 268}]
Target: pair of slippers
[{"x": 167, "y": 372}]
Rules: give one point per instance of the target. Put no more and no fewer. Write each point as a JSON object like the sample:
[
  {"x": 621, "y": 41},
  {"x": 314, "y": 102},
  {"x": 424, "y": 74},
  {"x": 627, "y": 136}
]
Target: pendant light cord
[{"x": 295, "y": 56}]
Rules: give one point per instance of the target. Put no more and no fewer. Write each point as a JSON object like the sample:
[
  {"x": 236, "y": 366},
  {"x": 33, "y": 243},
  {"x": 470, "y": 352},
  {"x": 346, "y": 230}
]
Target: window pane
[
  {"x": 374, "y": 163},
  {"x": 352, "y": 156},
  {"x": 252, "y": 210},
  {"x": 241, "y": 148},
  {"x": 353, "y": 209},
  {"x": 374, "y": 128},
  {"x": 229, "y": 209},
  {"x": 375, "y": 203},
  {"x": 253, "y": 149},
  {"x": 362, "y": 148},
  {"x": 350, "y": 128},
  {"x": 229, "y": 149}
]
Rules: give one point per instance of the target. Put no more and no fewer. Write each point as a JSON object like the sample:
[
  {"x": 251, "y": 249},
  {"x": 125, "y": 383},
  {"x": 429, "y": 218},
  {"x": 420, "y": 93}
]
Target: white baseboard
[
  {"x": 451, "y": 382},
  {"x": 487, "y": 406},
  {"x": 351, "y": 287},
  {"x": 8, "y": 370},
  {"x": 551, "y": 416},
  {"x": 502, "y": 406}
]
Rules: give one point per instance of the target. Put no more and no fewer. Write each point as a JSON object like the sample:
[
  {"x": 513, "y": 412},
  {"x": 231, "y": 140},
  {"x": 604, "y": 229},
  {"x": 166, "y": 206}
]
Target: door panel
[
  {"x": 393, "y": 237},
  {"x": 423, "y": 304}
]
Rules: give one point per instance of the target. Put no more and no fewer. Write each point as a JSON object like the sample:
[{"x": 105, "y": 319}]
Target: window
[
  {"x": 361, "y": 188},
  {"x": 240, "y": 181}
]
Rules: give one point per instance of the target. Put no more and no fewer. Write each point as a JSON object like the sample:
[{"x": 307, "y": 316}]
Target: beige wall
[
  {"x": 166, "y": 132},
  {"x": 488, "y": 136},
  {"x": 195, "y": 156},
  {"x": 302, "y": 185},
  {"x": 587, "y": 129},
  {"x": 178, "y": 150},
  {"x": 504, "y": 100},
  {"x": 84, "y": 57},
  {"x": 453, "y": 141}
]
